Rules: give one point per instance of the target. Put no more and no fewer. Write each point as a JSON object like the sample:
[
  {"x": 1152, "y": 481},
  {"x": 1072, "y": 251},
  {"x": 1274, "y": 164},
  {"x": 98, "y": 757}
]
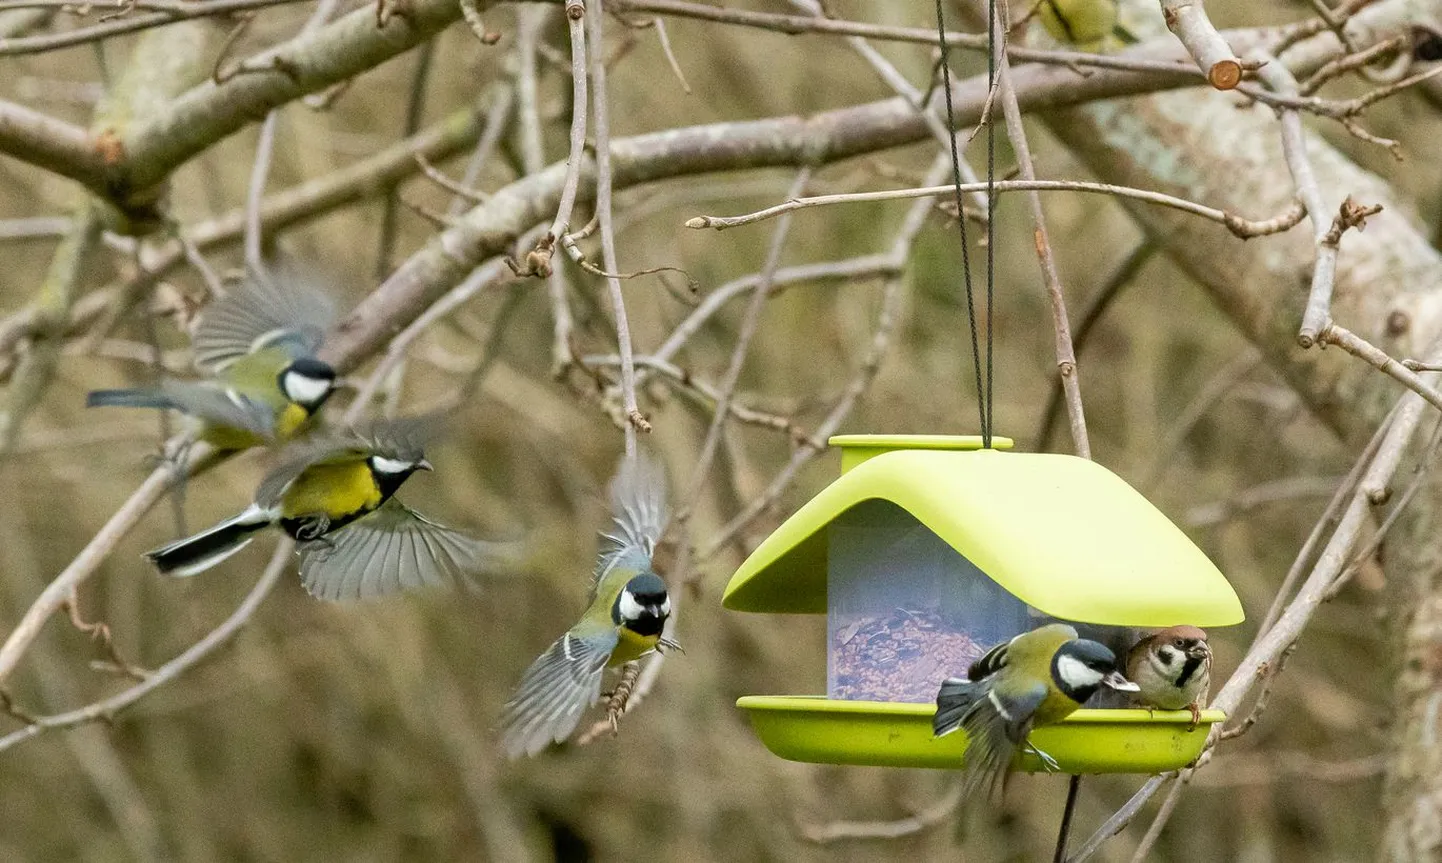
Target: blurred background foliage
[{"x": 367, "y": 732}]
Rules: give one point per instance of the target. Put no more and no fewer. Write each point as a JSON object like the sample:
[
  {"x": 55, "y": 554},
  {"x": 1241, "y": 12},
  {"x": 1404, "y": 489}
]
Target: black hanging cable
[
  {"x": 990, "y": 211},
  {"x": 981, "y": 394}
]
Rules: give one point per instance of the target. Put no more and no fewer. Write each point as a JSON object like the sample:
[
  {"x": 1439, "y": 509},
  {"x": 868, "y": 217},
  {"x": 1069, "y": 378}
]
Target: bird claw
[
  {"x": 1196, "y": 715},
  {"x": 1048, "y": 763}
]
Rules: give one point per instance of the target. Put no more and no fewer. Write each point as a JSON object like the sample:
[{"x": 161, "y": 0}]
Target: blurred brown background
[{"x": 367, "y": 732}]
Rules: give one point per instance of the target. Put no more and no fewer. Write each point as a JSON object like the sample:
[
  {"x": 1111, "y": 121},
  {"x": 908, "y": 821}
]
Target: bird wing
[
  {"x": 988, "y": 663},
  {"x": 995, "y": 726},
  {"x": 556, "y": 690},
  {"x": 400, "y": 437},
  {"x": 639, "y": 513},
  {"x": 284, "y": 312},
  {"x": 390, "y": 550},
  {"x": 219, "y": 406}
]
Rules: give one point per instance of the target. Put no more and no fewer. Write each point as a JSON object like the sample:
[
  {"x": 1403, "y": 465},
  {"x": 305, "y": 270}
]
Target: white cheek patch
[
  {"x": 630, "y": 609},
  {"x": 666, "y": 607},
  {"x": 304, "y": 390},
  {"x": 391, "y": 465},
  {"x": 1077, "y": 674}
]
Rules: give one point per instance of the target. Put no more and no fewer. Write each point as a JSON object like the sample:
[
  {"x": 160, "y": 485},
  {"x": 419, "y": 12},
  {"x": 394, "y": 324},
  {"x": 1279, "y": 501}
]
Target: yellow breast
[
  {"x": 631, "y": 646},
  {"x": 291, "y": 421},
  {"x": 337, "y": 490}
]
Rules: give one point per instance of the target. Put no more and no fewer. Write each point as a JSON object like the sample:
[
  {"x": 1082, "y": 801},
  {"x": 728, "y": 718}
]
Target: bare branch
[
  {"x": 1239, "y": 226},
  {"x": 106, "y": 709},
  {"x": 1066, "y": 360},
  {"x": 52, "y": 144},
  {"x": 635, "y": 420}
]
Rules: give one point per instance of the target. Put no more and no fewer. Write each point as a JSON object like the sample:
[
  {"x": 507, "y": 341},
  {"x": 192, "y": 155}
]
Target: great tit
[
  {"x": 1037, "y": 678},
  {"x": 257, "y": 346},
  {"x": 334, "y": 496},
  {"x": 1173, "y": 670},
  {"x": 1089, "y": 25},
  {"x": 627, "y": 611}
]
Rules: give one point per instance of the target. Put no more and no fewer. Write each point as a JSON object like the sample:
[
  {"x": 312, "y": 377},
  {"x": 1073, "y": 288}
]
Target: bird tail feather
[
  {"x": 953, "y": 700},
  {"x": 195, "y": 554},
  {"x": 129, "y": 398}
]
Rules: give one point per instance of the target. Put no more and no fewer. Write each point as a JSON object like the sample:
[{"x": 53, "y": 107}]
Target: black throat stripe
[{"x": 1188, "y": 669}]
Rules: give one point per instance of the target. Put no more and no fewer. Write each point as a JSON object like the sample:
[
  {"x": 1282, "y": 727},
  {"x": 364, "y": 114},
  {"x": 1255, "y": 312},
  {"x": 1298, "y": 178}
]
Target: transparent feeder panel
[{"x": 905, "y": 610}]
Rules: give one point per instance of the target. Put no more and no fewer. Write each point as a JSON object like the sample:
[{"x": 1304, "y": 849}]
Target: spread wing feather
[
  {"x": 283, "y": 311},
  {"x": 395, "y": 549},
  {"x": 638, "y": 512},
  {"x": 993, "y": 738},
  {"x": 555, "y": 692}
]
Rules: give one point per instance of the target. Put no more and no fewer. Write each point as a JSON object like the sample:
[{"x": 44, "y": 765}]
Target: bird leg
[
  {"x": 1047, "y": 762},
  {"x": 1196, "y": 715}
]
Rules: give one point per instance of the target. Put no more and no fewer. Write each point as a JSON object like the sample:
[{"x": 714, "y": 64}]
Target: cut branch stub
[{"x": 1188, "y": 21}]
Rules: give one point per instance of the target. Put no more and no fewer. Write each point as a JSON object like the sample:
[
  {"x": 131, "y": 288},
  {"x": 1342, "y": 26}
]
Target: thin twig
[
  {"x": 107, "y": 708},
  {"x": 55, "y": 594},
  {"x": 750, "y": 322},
  {"x": 633, "y": 419},
  {"x": 1333, "y": 334},
  {"x": 665, "y": 41},
  {"x": 1092, "y": 312},
  {"x": 580, "y": 102},
  {"x": 1294, "y": 151},
  {"x": 798, "y": 24},
  {"x": 1066, "y": 361},
  {"x": 1306, "y": 555},
  {"x": 839, "y": 831},
  {"x": 1237, "y": 225},
  {"x": 259, "y": 172},
  {"x": 415, "y": 108},
  {"x": 865, "y": 374}
]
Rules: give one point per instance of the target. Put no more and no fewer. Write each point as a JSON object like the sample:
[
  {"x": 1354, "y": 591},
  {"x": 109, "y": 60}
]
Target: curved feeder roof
[{"x": 1063, "y": 534}]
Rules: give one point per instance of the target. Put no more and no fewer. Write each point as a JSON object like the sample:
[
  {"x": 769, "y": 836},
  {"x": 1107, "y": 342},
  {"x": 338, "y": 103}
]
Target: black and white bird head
[
  {"x": 643, "y": 605},
  {"x": 1081, "y": 666},
  {"x": 308, "y": 383}
]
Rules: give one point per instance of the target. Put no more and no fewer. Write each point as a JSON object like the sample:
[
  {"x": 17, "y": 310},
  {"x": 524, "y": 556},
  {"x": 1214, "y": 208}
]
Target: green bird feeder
[{"x": 930, "y": 549}]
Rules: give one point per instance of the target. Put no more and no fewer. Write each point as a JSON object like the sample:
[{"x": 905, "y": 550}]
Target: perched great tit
[
  {"x": 1089, "y": 25},
  {"x": 1173, "y": 670},
  {"x": 334, "y": 496},
  {"x": 257, "y": 347},
  {"x": 1038, "y": 678},
  {"x": 627, "y": 611}
]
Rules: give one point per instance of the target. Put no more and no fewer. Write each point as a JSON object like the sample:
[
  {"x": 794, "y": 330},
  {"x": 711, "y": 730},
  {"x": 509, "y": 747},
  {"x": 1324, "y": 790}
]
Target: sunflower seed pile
[{"x": 901, "y": 656}]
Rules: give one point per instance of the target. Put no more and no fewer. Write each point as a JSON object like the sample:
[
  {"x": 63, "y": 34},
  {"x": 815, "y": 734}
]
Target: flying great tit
[
  {"x": 1037, "y": 678},
  {"x": 1089, "y": 25},
  {"x": 1173, "y": 670},
  {"x": 627, "y": 611},
  {"x": 257, "y": 346},
  {"x": 334, "y": 497}
]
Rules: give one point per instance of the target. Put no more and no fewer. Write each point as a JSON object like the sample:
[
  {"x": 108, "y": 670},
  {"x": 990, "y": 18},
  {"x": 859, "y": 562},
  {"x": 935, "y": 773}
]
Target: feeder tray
[{"x": 930, "y": 528}]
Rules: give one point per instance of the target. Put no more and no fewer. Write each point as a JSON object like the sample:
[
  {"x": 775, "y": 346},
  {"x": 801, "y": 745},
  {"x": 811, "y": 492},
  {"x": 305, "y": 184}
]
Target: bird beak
[
  {"x": 1119, "y": 683},
  {"x": 1199, "y": 651},
  {"x": 424, "y": 465}
]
